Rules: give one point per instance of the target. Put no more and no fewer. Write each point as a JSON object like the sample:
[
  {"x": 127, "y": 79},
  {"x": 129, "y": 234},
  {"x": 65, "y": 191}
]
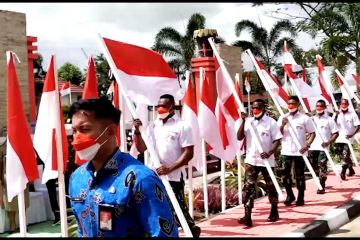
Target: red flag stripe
[
  {"x": 91, "y": 87},
  {"x": 222, "y": 128},
  {"x": 17, "y": 129},
  {"x": 49, "y": 83},
  {"x": 207, "y": 97},
  {"x": 189, "y": 98},
  {"x": 339, "y": 80},
  {"x": 356, "y": 78},
  {"x": 135, "y": 60}
]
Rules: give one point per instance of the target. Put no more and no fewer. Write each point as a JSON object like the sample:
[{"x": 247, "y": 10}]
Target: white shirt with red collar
[
  {"x": 267, "y": 132},
  {"x": 302, "y": 124},
  {"x": 326, "y": 128},
  {"x": 168, "y": 140},
  {"x": 347, "y": 123}
]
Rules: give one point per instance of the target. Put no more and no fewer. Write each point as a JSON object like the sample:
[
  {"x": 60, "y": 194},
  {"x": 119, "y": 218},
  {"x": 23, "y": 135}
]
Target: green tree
[
  {"x": 267, "y": 45},
  {"x": 179, "y": 48},
  {"x": 102, "y": 68},
  {"x": 70, "y": 72}
]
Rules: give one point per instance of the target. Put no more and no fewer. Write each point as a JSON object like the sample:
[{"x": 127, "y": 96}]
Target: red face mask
[
  {"x": 163, "y": 112},
  {"x": 256, "y": 112}
]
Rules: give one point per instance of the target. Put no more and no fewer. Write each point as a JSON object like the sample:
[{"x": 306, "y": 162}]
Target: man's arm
[
  {"x": 308, "y": 144},
  {"x": 185, "y": 157},
  {"x": 137, "y": 138},
  {"x": 241, "y": 133},
  {"x": 274, "y": 146},
  {"x": 356, "y": 131}
]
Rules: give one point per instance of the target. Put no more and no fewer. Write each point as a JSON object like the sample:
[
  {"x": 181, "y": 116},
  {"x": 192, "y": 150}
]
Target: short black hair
[
  {"x": 345, "y": 99},
  {"x": 102, "y": 107},
  {"x": 170, "y": 97},
  {"x": 262, "y": 101},
  {"x": 296, "y": 98},
  {"x": 321, "y": 101}
]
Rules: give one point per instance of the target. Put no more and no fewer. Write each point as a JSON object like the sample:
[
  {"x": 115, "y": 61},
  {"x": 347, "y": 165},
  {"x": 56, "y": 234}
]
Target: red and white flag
[
  {"x": 227, "y": 115},
  {"x": 91, "y": 86},
  {"x": 266, "y": 77},
  {"x": 241, "y": 151},
  {"x": 247, "y": 82},
  {"x": 356, "y": 78},
  {"x": 21, "y": 165},
  {"x": 65, "y": 89},
  {"x": 344, "y": 91},
  {"x": 208, "y": 123},
  {"x": 144, "y": 73},
  {"x": 309, "y": 94},
  {"x": 189, "y": 116},
  {"x": 325, "y": 87},
  {"x": 50, "y": 127}
]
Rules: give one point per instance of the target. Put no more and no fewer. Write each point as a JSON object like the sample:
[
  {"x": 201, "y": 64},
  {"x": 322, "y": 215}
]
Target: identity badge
[{"x": 106, "y": 217}]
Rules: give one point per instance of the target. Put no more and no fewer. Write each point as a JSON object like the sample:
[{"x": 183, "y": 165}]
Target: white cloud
[{"x": 64, "y": 28}]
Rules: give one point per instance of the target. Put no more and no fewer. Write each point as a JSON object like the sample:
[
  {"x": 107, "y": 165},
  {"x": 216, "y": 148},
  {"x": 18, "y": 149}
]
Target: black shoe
[
  {"x": 321, "y": 191},
  {"x": 351, "y": 172},
  {"x": 246, "y": 221},
  {"x": 289, "y": 200},
  {"x": 300, "y": 202},
  {"x": 196, "y": 231},
  {"x": 274, "y": 214}
]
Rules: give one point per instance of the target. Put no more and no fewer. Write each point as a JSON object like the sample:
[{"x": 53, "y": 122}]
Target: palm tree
[
  {"x": 177, "y": 47},
  {"x": 267, "y": 46}
]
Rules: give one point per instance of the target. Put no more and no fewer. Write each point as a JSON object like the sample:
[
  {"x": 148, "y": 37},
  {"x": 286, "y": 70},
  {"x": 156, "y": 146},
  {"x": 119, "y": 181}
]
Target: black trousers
[
  {"x": 178, "y": 188},
  {"x": 251, "y": 176},
  {"x": 286, "y": 162},
  {"x": 51, "y": 187}
]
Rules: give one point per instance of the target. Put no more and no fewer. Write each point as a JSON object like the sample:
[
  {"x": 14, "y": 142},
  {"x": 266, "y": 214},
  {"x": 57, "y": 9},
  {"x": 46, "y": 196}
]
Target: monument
[{"x": 13, "y": 38}]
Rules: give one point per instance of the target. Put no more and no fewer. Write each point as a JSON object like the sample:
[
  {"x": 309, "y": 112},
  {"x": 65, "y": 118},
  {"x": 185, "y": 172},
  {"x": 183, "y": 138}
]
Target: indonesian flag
[
  {"x": 326, "y": 88},
  {"x": 309, "y": 94},
  {"x": 50, "y": 127},
  {"x": 227, "y": 114},
  {"x": 21, "y": 165},
  {"x": 241, "y": 151},
  {"x": 208, "y": 123},
  {"x": 344, "y": 92},
  {"x": 247, "y": 82},
  {"x": 65, "y": 89},
  {"x": 189, "y": 116},
  {"x": 266, "y": 77},
  {"x": 91, "y": 86},
  {"x": 144, "y": 73},
  {"x": 237, "y": 86},
  {"x": 356, "y": 78}
]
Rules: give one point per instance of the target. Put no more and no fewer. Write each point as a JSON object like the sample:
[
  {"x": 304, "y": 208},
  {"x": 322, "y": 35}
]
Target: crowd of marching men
[{"x": 173, "y": 141}]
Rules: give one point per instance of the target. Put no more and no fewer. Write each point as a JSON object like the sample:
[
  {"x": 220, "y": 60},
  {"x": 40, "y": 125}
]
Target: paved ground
[
  {"x": 291, "y": 218},
  {"x": 351, "y": 229}
]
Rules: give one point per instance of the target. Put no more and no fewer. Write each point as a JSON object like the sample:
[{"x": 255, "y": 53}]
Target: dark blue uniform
[{"x": 125, "y": 198}]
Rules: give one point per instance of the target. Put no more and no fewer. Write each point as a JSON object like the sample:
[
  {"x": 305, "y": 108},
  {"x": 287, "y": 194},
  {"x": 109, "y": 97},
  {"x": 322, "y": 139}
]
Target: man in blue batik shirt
[{"x": 113, "y": 194}]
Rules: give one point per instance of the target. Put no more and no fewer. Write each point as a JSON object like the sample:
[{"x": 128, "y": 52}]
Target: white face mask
[
  {"x": 163, "y": 115},
  {"x": 293, "y": 110},
  {"x": 343, "y": 109},
  {"x": 319, "y": 111},
  {"x": 88, "y": 154}
]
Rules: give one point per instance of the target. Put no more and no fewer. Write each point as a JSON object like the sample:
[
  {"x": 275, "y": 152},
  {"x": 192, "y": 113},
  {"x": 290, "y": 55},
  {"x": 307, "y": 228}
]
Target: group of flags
[{"x": 144, "y": 76}]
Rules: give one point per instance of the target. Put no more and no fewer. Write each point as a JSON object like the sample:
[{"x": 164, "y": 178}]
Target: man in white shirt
[
  {"x": 172, "y": 140},
  {"x": 302, "y": 125},
  {"x": 329, "y": 131},
  {"x": 269, "y": 136},
  {"x": 349, "y": 124}
]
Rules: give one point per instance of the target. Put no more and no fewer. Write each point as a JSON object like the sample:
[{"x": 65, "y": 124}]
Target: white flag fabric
[
  {"x": 189, "y": 116},
  {"x": 50, "y": 126},
  {"x": 344, "y": 92},
  {"x": 247, "y": 82},
  {"x": 144, "y": 73}
]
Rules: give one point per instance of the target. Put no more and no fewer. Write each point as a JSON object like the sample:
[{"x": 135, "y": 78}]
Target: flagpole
[
  {"x": 22, "y": 214},
  {"x": 153, "y": 154},
  {"x": 123, "y": 145},
  {"x": 204, "y": 177},
  {"x": 60, "y": 163},
  {"x": 223, "y": 189},
  {"x": 230, "y": 83},
  {"x": 191, "y": 193},
  {"x": 291, "y": 130},
  {"x": 204, "y": 161},
  {"x": 238, "y": 155}
]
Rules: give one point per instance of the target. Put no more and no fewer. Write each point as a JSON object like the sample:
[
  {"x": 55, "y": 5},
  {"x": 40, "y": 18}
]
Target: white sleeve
[{"x": 186, "y": 136}]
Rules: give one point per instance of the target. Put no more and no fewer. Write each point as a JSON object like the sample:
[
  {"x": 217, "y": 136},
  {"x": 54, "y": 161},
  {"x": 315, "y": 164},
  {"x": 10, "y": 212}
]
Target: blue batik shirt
[{"x": 136, "y": 196}]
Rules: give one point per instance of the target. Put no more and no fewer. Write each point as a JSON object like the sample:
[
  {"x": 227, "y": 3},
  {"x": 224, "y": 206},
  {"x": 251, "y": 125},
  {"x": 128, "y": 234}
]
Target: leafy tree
[
  {"x": 267, "y": 45},
  {"x": 70, "y": 72},
  {"x": 179, "y": 48},
  {"x": 102, "y": 68}
]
